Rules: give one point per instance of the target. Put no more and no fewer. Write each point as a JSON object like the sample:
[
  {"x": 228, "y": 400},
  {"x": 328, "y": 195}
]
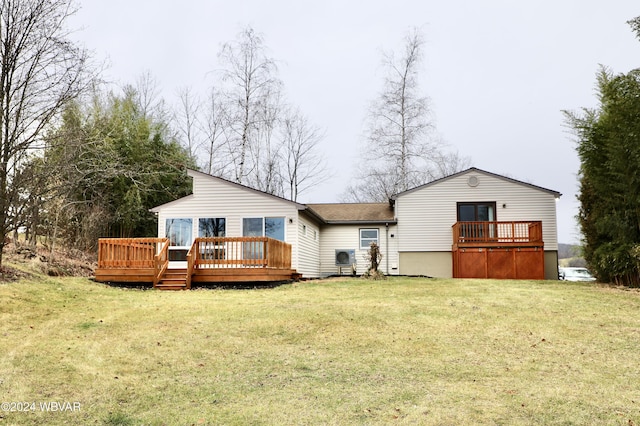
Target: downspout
[{"x": 387, "y": 247}]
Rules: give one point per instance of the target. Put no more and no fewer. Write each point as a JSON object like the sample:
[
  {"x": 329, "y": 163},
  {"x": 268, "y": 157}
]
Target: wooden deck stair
[{"x": 173, "y": 279}]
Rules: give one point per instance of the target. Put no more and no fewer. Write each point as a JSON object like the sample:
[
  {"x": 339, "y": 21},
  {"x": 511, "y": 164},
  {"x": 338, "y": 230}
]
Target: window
[
  {"x": 180, "y": 238},
  {"x": 211, "y": 227},
  {"x": 272, "y": 227},
  {"x": 477, "y": 212},
  {"x": 368, "y": 236},
  {"x": 252, "y": 227},
  {"x": 179, "y": 232}
]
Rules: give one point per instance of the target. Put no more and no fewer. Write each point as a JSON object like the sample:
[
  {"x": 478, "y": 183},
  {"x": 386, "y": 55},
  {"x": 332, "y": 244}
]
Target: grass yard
[{"x": 400, "y": 351}]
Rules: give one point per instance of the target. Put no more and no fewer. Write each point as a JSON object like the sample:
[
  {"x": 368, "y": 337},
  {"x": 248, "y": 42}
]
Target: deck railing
[
  {"x": 132, "y": 252},
  {"x": 240, "y": 252},
  {"x": 161, "y": 262},
  {"x": 497, "y": 232}
]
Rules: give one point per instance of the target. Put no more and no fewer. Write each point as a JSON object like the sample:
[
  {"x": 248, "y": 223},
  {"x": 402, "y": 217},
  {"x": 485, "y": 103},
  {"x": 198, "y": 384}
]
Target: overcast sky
[{"x": 498, "y": 73}]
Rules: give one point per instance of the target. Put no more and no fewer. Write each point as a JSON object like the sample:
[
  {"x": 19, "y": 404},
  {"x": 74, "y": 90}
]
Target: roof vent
[{"x": 473, "y": 181}]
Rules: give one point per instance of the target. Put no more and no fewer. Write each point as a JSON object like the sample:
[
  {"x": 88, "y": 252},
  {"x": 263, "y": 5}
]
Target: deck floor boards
[{"x": 213, "y": 275}]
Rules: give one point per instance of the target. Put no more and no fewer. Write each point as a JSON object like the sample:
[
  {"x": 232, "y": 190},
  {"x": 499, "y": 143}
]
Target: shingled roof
[{"x": 354, "y": 212}]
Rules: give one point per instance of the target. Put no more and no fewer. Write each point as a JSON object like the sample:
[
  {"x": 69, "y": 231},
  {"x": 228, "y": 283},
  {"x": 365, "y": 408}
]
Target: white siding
[
  {"x": 213, "y": 197},
  {"x": 425, "y": 216},
  {"x": 309, "y": 254},
  {"x": 347, "y": 237}
]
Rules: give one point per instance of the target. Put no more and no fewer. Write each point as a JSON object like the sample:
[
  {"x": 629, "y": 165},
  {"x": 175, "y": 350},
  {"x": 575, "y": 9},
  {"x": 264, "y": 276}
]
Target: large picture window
[
  {"x": 368, "y": 236},
  {"x": 272, "y": 227},
  {"x": 252, "y": 227},
  {"x": 179, "y": 232},
  {"x": 211, "y": 227}
]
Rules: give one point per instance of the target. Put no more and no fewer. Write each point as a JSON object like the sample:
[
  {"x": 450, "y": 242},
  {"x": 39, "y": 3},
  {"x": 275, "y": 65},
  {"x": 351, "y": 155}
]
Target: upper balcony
[{"x": 497, "y": 234}]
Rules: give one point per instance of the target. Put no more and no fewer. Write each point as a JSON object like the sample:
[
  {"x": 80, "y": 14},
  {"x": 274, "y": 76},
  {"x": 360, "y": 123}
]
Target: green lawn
[{"x": 400, "y": 351}]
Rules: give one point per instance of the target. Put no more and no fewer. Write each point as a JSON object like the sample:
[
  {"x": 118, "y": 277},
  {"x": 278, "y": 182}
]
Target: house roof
[
  {"x": 474, "y": 169},
  {"x": 345, "y": 213}
]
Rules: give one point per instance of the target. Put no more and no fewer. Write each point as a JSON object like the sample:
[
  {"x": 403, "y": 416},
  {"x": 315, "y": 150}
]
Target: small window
[{"x": 368, "y": 236}]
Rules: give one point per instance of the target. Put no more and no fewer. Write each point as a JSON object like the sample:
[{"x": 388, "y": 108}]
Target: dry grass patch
[{"x": 350, "y": 351}]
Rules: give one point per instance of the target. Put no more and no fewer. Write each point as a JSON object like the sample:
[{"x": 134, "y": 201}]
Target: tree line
[{"x": 80, "y": 159}]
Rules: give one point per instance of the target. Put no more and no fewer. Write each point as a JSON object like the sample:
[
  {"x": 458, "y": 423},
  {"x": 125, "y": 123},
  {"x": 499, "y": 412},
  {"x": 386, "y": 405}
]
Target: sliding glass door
[{"x": 477, "y": 212}]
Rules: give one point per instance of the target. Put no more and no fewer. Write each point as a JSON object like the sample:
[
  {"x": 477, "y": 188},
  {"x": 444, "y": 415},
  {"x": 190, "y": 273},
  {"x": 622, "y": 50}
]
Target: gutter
[
  {"x": 387, "y": 247},
  {"x": 362, "y": 222}
]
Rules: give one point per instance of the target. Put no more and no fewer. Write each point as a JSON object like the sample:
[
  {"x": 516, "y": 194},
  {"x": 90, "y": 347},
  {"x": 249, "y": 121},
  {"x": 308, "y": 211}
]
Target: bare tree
[
  {"x": 187, "y": 121},
  {"x": 212, "y": 127},
  {"x": 250, "y": 83},
  {"x": 375, "y": 184},
  {"x": 305, "y": 166},
  {"x": 266, "y": 152},
  {"x": 251, "y": 137},
  {"x": 41, "y": 70},
  {"x": 400, "y": 151},
  {"x": 147, "y": 94},
  {"x": 399, "y": 119}
]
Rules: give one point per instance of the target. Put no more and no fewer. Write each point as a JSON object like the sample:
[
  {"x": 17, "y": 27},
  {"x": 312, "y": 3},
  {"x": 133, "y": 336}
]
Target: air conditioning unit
[{"x": 345, "y": 257}]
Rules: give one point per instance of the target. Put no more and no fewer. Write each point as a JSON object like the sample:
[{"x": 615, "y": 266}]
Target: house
[
  {"x": 471, "y": 224},
  {"x": 221, "y": 208},
  {"x": 353, "y": 227},
  {"x": 433, "y": 217}
]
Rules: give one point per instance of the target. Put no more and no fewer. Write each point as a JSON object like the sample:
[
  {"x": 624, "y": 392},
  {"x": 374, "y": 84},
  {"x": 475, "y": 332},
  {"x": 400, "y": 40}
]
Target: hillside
[
  {"x": 19, "y": 260},
  {"x": 570, "y": 255}
]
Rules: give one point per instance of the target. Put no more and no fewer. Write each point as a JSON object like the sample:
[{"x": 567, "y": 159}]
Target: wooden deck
[
  {"x": 513, "y": 250},
  {"x": 210, "y": 260}
]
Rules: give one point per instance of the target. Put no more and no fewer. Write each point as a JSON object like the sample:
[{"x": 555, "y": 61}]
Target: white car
[{"x": 575, "y": 274}]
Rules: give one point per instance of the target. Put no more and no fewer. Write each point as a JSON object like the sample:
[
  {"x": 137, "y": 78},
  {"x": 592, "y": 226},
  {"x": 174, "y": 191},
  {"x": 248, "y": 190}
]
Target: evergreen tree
[
  {"x": 609, "y": 151},
  {"x": 109, "y": 163}
]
